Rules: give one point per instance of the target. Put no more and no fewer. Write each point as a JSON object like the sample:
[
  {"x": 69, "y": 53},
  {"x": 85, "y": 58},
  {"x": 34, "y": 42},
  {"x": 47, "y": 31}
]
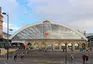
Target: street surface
[{"x": 56, "y": 57}]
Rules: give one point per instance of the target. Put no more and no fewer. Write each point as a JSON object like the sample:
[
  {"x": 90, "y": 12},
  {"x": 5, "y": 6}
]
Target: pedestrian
[
  {"x": 85, "y": 58},
  {"x": 15, "y": 56},
  {"x": 90, "y": 49},
  {"x": 22, "y": 56},
  {"x": 63, "y": 49},
  {"x": 72, "y": 56}
]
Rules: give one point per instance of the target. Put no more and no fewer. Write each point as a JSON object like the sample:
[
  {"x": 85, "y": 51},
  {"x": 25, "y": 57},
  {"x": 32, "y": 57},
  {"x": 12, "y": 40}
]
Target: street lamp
[
  {"x": 7, "y": 31},
  {"x": 66, "y": 53}
]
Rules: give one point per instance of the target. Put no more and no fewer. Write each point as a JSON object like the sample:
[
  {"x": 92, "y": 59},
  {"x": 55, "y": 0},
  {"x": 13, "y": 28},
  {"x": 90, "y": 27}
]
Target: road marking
[
  {"x": 22, "y": 62},
  {"x": 35, "y": 60}
]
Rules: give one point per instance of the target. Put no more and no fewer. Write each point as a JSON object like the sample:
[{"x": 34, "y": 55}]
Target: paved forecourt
[{"x": 56, "y": 58}]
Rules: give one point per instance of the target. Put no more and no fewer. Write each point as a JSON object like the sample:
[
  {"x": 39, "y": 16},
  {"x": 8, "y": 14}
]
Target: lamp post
[
  {"x": 7, "y": 32},
  {"x": 66, "y": 53}
]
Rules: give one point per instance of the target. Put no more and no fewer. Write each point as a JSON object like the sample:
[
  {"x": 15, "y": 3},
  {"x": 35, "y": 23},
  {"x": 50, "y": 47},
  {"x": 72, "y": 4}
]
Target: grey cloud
[{"x": 67, "y": 11}]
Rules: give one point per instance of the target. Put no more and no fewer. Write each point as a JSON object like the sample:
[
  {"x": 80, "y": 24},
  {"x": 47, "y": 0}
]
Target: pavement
[{"x": 50, "y": 58}]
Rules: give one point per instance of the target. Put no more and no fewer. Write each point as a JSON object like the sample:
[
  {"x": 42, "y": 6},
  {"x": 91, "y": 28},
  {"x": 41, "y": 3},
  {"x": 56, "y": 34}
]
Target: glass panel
[{"x": 55, "y": 32}]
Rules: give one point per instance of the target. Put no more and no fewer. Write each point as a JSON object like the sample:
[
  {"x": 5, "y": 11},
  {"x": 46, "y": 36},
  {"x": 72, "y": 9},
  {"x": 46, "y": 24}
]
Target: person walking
[
  {"x": 85, "y": 58},
  {"x": 72, "y": 56},
  {"x": 15, "y": 56},
  {"x": 90, "y": 49},
  {"x": 22, "y": 56}
]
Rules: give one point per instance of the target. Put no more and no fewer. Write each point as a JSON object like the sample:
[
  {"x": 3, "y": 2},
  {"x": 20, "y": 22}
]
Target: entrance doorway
[
  {"x": 36, "y": 46},
  {"x": 29, "y": 45},
  {"x": 49, "y": 46},
  {"x": 83, "y": 46},
  {"x": 56, "y": 46},
  {"x": 43, "y": 45},
  {"x": 69, "y": 47},
  {"x": 63, "y": 47},
  {"x": 76, "y": 46}
]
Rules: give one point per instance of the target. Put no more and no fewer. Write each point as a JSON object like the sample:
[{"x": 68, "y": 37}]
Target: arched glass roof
[{"x": 47, "y": 30}]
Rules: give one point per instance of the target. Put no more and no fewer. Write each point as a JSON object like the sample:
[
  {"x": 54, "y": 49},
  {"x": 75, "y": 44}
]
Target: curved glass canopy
[{"x": 47, "y": 30}]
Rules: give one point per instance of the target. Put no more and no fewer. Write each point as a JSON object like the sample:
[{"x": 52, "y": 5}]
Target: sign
[{"x": 46, "y": 34}]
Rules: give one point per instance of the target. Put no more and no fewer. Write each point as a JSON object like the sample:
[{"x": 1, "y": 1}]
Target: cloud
[
  {"x": 83, "y": 24},
  {"x": 9, "y": 6},
  {"x": 82, "y": 3},
  {"x": 78, "y": 13},
  {"x": 11, "y": 26}
]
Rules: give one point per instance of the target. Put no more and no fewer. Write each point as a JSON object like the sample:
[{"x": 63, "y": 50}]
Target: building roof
[{"x": 47, "y": 30}]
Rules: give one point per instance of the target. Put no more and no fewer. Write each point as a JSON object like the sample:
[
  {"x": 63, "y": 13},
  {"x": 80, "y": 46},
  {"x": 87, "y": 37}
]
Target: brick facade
[{"x": 1, "y": 24}]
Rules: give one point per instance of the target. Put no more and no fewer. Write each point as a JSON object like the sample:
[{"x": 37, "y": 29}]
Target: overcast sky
[{"x": 76, "y": 13}]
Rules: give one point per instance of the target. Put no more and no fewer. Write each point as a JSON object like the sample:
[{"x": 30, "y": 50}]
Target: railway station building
[{"x": 50, "y": 35}]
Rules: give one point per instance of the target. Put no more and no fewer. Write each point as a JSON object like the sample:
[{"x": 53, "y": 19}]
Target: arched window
[
  {"x": 49, "y": 46},
  {"x": 83, "y": 45},
  {"x": 36, "y": 45},
  {"x": 29, "y": 45},
  {"x": 76, "y": 46},
  {"x": 56, "y": 46},
  {"x": 43, "y": 45},
  {"x": 63, "y": 46},
  {"x": 69, "y": 46}
]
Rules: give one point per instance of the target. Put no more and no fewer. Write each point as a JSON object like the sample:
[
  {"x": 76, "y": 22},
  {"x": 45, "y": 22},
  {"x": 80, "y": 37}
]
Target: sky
[{"x": 75, "y": 13}]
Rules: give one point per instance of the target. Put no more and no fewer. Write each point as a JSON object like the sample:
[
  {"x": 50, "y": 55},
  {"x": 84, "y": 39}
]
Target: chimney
[{"x": 1, "y": 23}]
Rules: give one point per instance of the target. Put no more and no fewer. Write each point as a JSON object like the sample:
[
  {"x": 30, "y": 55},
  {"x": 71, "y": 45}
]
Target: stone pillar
[
  {"x": 73, "y": 47},
  {"x": 46, "y": 45},
  {"x": 26, "y": 46},
  {"x": 80, "y": 46},
  {"x": 60, "y": 44},
  {"x": 86, "y": 45},
  {"x": 40, "y": 45},
  {"x": 53, "y": 45},
  {"x": 32, "y": 44}
]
